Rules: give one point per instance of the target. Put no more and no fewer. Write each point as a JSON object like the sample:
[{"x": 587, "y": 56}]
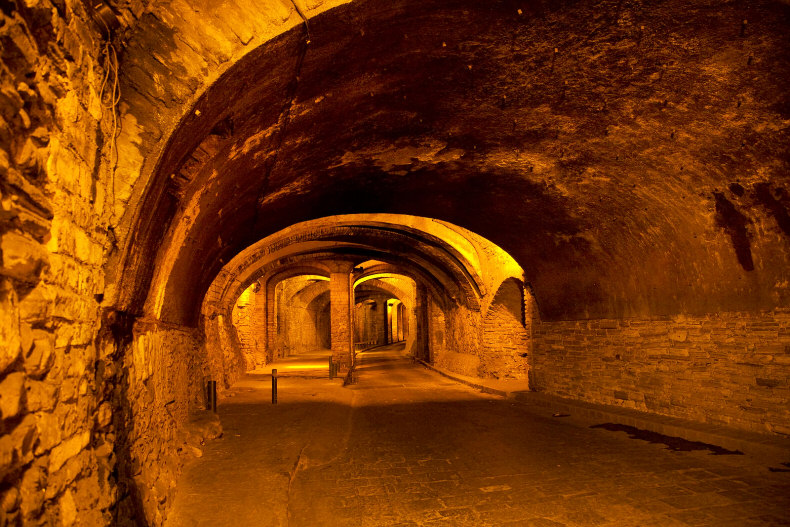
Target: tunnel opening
[
  {"x": 630, "y": 157},
  {"x": 340, "y": 285}
]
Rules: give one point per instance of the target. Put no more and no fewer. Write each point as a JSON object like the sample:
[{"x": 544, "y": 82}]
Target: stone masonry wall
[
  {"x": 56, "y": 434},
  {"x": 505, "y": 341},
  {"x": 163, "y": 382},
  {"x": 249, "y": 321},
  {"x": 455, "y": 339},
  {"x": 730, "y": 368}
]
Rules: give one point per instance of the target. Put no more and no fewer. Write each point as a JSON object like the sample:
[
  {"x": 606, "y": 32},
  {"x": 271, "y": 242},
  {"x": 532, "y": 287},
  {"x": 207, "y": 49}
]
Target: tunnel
[{"x": 471, "y": 243}]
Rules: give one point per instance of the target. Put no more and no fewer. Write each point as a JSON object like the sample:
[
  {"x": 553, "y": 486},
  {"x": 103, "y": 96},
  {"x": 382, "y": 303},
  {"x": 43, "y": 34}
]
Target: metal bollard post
[
  {"x": 211, "y": 396},
  {"x": 274, "y": 386},
  {"x": 331, "y": 369}
]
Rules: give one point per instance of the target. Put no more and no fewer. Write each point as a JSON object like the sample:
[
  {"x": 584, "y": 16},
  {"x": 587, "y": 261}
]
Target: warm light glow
[{"x": 376, "y": 276}]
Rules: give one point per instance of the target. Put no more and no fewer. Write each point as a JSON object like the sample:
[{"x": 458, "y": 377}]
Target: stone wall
[
  {"x": 455, "y": 339},
  {"x": 491, "y": 344},
  {"x": 370, "y": 322},
  {"x": 249, "y": 320},
  {"x": 163, "y": 383},
  {"x": 504, "y": 353},
  {"x": 730, "y": 368},
  {"x": 57, "y": 436},
  {"x": 223, "y": 353}
]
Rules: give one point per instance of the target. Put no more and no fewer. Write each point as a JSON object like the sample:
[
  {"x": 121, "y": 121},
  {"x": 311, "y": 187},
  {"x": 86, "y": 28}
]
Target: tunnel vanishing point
[{"x": 591, "y": 196}]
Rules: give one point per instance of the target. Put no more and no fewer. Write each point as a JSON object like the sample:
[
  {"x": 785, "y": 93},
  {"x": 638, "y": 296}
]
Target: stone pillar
[
  {"x": 258, "y": 327},
  {"x": 270, "y": 322},
  {"x": 386, "y": 321},
  {"x": 341, "y": 300},
  {"x": 421, "y": 339},
  {"x": 390, "y": 336}
]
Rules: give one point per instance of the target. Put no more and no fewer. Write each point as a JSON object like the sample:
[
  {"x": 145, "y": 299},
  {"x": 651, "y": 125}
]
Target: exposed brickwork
[
  {"x": 94, "y": 396},
  {"x": 730, "y": 368},
  {"x": 505, "y": 343},
  {"x": 165, "y": 380},
  {"x": 340, "y": 307},
  {"x": 370, "y": 322},
  {"x": 249, "y": 320}
]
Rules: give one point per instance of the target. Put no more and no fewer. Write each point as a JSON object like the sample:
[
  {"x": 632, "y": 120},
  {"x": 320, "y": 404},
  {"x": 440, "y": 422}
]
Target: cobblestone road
[{"x": 405, "y": 446}]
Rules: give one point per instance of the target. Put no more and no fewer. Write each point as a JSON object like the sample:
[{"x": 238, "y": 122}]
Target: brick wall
[
  {"x": 505, "y": 341},
  {"x": 731, "y": 368}
]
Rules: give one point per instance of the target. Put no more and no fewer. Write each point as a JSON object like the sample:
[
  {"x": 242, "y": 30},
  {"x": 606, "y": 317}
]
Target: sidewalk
[{"x": 770, "y": 448}]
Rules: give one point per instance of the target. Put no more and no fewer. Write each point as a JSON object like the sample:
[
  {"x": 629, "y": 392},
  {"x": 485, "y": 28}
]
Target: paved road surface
[{"x": 405, "y": 446}]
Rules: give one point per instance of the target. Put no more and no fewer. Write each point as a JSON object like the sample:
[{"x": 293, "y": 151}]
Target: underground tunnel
[{"x": 475, "y": 240}]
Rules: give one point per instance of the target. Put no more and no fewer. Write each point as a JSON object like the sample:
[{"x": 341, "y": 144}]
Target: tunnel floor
[{"x": 405, "y": 446}]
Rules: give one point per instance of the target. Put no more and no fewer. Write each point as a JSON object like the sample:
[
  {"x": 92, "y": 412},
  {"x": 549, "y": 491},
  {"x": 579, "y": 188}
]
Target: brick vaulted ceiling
[{"x": 633, "y": 157}]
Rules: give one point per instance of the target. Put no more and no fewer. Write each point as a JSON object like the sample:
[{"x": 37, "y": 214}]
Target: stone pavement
[
  {"x": 312, "y": 364},
  {"x": 405, "y": 446}
]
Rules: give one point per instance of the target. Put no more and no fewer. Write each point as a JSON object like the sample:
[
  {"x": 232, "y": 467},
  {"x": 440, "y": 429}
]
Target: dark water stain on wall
[
  {"x": 734, "y": 224},
  {"x": 764, "y": 196}
]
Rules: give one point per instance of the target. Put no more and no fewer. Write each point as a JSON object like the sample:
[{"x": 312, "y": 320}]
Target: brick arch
[
  {"x": 446, "y": 270},
  {"x": 387, "y": 288},
  {"x": 409, "y": 302},
  {"x": 300, "y": 329},
  {"x": 173, "y": 58},
  {"x": 603, "y": 234},
  {"x": 505, "y": 340}
]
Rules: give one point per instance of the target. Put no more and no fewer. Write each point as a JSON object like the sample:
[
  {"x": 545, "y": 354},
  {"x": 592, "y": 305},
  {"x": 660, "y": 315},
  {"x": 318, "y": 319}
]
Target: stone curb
[{"x": 773, "y": 449}]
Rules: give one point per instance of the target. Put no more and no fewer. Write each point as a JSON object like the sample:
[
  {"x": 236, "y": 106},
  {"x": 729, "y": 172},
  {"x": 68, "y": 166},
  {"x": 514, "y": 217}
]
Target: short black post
[
  {"x": 211, "y": 396},
  {"x": 331, "y": 369},
  {"x": 274, "y": 386}
]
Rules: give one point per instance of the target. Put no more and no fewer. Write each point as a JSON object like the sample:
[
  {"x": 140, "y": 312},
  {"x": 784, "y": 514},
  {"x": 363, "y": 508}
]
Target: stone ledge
[{"x": 768, "y": 448}]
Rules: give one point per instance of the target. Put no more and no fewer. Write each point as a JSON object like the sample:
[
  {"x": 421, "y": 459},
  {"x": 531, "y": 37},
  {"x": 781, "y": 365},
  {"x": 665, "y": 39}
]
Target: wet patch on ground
[{"x": 677, "y": 444}]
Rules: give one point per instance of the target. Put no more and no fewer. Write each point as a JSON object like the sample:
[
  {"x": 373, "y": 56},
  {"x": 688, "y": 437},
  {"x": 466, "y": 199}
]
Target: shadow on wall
[{"x": 506, "y": 341}]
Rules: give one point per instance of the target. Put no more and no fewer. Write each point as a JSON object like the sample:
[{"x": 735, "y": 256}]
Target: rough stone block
[
  {"x": 23, "y": 258},
  {"x": 67, "y": 450},
  {"x": 39, "y": 358},
  {"x": 10, "y": 337},
  {"x": 12, "y": 395},
  {"x": 68, "y": 509},
  {"x": 41, "y": 396},
  {"x": 16, "y": 448},
  {"x": 10, "y": 500},
  {"x": 31, "y": 490},
  {"x": 49, "y": 432}
]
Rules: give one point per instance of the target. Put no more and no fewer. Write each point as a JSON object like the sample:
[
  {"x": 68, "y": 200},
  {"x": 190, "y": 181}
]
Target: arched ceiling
[
  {"x": 372, "y": 243},
  {"x": 633, "y": 157}
]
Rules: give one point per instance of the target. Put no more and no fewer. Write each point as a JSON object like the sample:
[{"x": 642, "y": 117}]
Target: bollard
[
  {"x": 274, "y": 386},
  {"x": 211, "y": 396},
  {"x": 331, "y": 369}
]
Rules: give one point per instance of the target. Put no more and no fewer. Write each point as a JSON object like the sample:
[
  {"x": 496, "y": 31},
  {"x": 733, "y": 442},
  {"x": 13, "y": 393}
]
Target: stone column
[
  {"x": 386, "y": 321},
  {"x": 270, "y": 322},
  {"x": 258, "y": 327},
  {"x": 421, "y": 339},
  {"x": 341, "y": 300}
]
